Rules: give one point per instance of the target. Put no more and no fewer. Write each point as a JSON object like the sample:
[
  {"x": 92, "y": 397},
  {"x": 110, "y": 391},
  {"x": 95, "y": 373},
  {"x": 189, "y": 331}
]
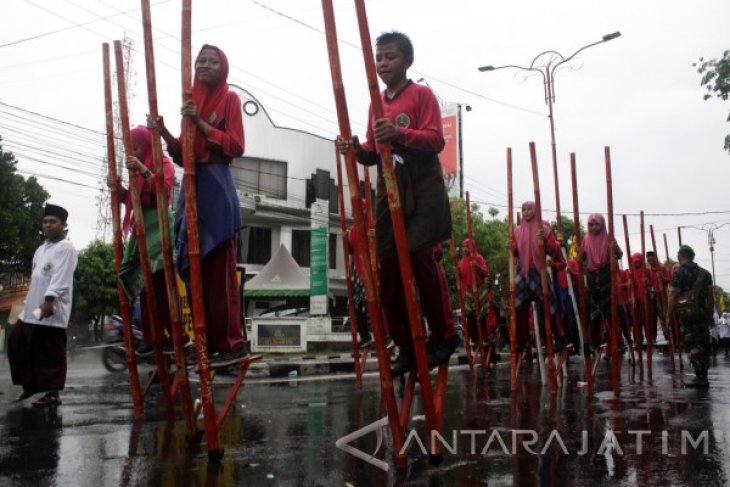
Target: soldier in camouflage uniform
[{"x": 697, "y": 332}]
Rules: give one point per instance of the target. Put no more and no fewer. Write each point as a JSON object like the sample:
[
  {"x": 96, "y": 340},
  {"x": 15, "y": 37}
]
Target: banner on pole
[{"x": 450, "y": 157}]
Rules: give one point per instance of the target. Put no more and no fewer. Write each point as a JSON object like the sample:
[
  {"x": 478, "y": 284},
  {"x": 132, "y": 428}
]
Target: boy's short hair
[{"x": 400, "y": 39}]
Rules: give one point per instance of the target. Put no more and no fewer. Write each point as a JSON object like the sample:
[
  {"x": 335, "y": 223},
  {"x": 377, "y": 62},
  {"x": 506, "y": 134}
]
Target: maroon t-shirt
[{"x": 416, "y": 113}]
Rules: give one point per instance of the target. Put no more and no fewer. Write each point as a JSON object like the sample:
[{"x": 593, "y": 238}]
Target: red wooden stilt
[
  {"x": 582, "y": 306},
  {"x": 348, "y": 276},
  {"x": 663, "y": 301},
  {"x": 144, "y": 261},
  {"x": 552, "y": 373},
  {"x": 173, "y": 299},
  {"x": 635, "y": 298},
  {"x": 370, "y": 218},
  {"x": 215, "y": 452},
  {"x": 460, "y": 291},
  {"x": 386, "y": 379},
  {"x": 396, "y": 216},
  {"x": 647, "y": 326},
  {"x": 474, "y": 291},
  {"x": 514, "y": 366},
  {"x": 613, "y": 262},
  {"x": 117, "y": 238}
]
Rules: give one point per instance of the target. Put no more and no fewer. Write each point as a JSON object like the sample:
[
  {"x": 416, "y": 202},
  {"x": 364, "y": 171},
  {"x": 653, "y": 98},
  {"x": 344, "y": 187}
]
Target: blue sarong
[{"x": 219, "y": 213}]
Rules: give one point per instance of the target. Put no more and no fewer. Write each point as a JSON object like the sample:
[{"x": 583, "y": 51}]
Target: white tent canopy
[{"x": 282, "y": 276}]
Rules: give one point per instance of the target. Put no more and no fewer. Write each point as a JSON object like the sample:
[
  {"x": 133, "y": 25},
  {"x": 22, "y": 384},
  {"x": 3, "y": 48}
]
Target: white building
[{"x": 272, "y": 178}]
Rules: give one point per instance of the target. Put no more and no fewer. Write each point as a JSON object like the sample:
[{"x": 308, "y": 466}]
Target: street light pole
[
  {"x": 711, "y": 242},
  {"x": 547, "y": 70},
  {"x": 710, "y": 229}
]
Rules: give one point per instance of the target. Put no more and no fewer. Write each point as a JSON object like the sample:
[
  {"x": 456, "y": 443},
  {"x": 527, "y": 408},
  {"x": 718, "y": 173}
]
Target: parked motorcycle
[{"x": 114, "y": 356}]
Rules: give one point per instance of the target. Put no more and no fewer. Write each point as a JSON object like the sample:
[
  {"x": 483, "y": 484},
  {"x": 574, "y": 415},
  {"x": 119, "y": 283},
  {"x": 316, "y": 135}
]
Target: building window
[
  {"x": 261, "y": 176},
  {"x": 256, "y": 245},
  {"x": 333, "y": 250},
  {"x": 301, "y": 243}
]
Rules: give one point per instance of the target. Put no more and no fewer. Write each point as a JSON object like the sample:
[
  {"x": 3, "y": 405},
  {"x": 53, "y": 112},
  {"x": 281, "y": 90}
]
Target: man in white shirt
[{"x": 37, "y": 346}]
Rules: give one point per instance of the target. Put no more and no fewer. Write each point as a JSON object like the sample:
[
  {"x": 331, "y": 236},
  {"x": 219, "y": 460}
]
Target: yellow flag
[{"x": 573, "y": 251}]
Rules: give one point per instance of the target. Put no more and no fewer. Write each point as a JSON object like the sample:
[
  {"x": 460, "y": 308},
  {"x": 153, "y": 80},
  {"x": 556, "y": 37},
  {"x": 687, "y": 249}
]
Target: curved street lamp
[
  {"x": 710, "y": 229},
  {"x": 547, "y": 69}
]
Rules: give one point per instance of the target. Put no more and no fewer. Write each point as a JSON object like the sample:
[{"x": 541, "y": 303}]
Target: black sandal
[{"x": 50, "y": 399}]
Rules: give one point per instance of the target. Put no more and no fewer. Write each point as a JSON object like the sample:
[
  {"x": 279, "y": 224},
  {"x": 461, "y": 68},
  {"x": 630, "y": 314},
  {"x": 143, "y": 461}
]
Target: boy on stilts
[{"x": 412, "y": 124}]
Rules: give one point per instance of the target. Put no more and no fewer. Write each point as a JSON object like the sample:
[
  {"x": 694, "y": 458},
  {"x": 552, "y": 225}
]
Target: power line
[
  {"x": 86, "y": 129},
  {"x": 55, "y": 178},
  {"x": 473, "y": 93},
  {"x": 70, "y": 27}
]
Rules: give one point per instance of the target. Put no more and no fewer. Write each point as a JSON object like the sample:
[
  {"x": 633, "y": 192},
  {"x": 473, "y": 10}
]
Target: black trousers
[{"x": 37, "y": 356}]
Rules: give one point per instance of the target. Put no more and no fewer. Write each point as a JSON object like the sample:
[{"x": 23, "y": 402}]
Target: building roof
[{"x": 282, "y": 276}]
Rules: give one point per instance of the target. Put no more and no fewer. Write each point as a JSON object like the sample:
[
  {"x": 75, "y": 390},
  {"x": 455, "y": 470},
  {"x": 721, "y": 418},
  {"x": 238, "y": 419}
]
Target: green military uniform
[{"x": 696, "y": 334}]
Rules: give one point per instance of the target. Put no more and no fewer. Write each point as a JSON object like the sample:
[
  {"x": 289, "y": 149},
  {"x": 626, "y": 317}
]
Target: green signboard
[{"x": 318, "y": 262}]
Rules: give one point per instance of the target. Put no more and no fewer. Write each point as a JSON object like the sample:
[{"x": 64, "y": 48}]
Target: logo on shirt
[
  {"x": 402, "y": 120},
  {"x": 47, "y": 268}
]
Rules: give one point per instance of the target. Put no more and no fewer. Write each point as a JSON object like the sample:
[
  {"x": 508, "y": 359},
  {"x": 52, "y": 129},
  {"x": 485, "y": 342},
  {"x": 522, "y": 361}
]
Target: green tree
[
  {"x": 95, "y": 285},
  {"x": 21, "y": 212},
  {"x": 716, "y": 80},
  {"x": 490, "y": 237}
]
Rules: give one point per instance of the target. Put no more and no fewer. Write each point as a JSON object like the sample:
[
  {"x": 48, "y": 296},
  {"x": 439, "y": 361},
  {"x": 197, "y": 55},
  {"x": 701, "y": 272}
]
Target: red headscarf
[
  {"x": 142, "y": 138},
  {"x": 465, "y": 269},
  {"x": 526, "y": 239},
  {"x": 596, "y": 246},
  {"x": 208, "y": 99},
  {"x": 637, "y": 274}
]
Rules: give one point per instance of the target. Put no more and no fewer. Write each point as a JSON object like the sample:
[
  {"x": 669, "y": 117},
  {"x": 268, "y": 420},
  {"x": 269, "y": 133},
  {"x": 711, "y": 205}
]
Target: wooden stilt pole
[
  {"x": 113, "y": 177},
  {"x": 474, "y": 290},
  {"x": 386, "y": 379},
  {"x": 370, "y": 218},
  {"x": 215, "y": 452},
  {"x": 541, "y": 364},
  {"x": 163, "y": 206},
  {"x": 461, "y": 293},
  {"x": 512, "y": 291},
  {"x": 582, "y": 307},
  {"x": 662, "y": 295},
  {"x": 613, "y": 262},
  {"x": 647, "y": 325},
  {"x": 139, "y": 228},
  {"x": 634, "y": 302},
  {"x": 666, "y": 249},
  {"x": 401, "y": 243},
  {"x": 552, "y": 373},
  {"x": 348, "y": 275}
]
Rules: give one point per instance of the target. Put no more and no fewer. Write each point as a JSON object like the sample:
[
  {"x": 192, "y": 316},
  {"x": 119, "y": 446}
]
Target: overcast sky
[{"x": 638, "y": 94}]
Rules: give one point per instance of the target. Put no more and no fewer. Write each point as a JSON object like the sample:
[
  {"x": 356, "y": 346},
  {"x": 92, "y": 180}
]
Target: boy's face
[{"x": 391, "y": 64}]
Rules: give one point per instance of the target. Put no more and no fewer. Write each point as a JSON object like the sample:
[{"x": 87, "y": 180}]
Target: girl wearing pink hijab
[
  {"x": 595, "y": 253},
  {"x": 527, "y": 278},
  {"x": 141, "y": 166}
]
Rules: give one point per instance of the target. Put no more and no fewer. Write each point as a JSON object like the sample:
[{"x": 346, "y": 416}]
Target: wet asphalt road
[{"x": 283, "y": 433}]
